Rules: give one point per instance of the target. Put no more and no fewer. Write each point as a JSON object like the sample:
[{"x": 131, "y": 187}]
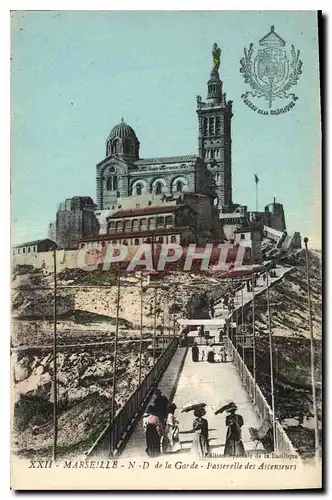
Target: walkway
[
  {"x": 210, "y": 383},
  {"x": 168, "y": 385},
  {"x": 213, "y": 384},
  {"x": 221, "y": 312}
]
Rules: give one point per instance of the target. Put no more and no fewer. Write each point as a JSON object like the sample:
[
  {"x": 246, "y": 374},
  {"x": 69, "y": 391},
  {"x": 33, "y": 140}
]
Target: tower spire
[
  {"x": 214, "y": 83},
  {"x": 214, "y": 135}
]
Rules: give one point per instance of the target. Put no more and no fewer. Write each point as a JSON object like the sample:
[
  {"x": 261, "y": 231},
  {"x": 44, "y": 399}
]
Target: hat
[
  {"x": 199, "y": 412},
  {"x": 231, "y": 407},
  {"x": 172, "y": 407}
]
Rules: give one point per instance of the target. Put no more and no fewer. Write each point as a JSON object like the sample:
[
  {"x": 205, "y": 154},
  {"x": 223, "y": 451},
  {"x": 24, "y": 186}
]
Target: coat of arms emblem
[{"x": 270, "y": 73}]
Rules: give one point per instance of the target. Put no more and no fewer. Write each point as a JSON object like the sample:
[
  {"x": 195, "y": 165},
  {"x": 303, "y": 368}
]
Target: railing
[
  {"x": 283, "y": 443},
  {"x": 115, "y": 433}
]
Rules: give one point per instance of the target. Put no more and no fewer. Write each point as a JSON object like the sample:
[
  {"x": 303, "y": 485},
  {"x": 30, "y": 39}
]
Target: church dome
[
  {"x": 123, "y": 142},
  {"x": 122, "y": 131}
]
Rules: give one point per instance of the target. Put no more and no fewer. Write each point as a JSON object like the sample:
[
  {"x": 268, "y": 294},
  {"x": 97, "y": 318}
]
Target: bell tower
[{"x": 214, "y": 134}]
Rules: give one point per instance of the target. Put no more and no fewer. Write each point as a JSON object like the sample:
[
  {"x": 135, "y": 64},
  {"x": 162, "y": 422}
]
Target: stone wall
[{"x": 65, "y": 259}]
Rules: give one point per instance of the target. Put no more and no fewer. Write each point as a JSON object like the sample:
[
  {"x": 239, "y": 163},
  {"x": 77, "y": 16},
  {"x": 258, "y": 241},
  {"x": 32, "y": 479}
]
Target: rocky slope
[
  {"x": 84, "y": 396},
  {"x": 291, "y": 349},
  {"x": 86, "y": 315}
]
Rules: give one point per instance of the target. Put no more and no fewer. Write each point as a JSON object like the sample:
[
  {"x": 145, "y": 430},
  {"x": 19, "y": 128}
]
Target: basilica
[
  {"x": 122, "y": 173},
  {"x": 183, "y": 199}
]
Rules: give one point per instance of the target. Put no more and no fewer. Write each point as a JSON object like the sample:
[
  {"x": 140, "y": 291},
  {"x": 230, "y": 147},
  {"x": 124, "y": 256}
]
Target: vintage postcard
[{"x": 166, "y": 283}]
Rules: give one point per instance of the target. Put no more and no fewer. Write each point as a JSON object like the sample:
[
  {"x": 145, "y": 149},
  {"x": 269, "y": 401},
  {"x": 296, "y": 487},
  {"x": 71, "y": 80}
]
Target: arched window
[
  {"x": 116, "y": 147},
  {"x": 205, "y": 126},
  {"x": 135, "y": 225},
  {"x": 159, "y": 188},
  {"x": 136, "y": 241},
  {"x": 139, "y": 189},
  {"x": 218, "y": 125},
  {"x": 160, "y": 239},
  {"x": 127, "y": 226},
  {"x": 173, "y": 239},
  {"x": 211, "y": 126},
  {"x": 127, "y": 147},
  {"x": 160, "y": 222},
  {"x": 112, "y": 183},
  {"x": 179, "y": 187},
  {"x": 144, "y": 224}
]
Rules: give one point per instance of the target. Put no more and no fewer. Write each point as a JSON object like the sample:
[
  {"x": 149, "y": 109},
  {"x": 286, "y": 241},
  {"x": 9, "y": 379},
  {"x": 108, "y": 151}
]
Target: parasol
[
  {"x": 226, "y": 407},
  {"x": 192, "y": 407}
]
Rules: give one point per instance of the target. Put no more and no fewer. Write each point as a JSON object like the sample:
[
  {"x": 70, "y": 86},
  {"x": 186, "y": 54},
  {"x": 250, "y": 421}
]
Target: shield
[{"x": 271, "y": 66}]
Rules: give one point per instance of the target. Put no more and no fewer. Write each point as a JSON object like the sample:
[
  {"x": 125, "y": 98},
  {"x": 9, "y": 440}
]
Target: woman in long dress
[
  {"x": 194, "y": 352},
  {"x": 233, "y": 445},
  {"x": 153, "y": 432},
  {"x": 171, "y": 441},
  {"x": 200, "y": 445},
  {"x": 210, "y": 355}
]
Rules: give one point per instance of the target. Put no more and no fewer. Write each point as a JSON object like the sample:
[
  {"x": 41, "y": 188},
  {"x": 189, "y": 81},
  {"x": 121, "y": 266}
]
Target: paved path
[
  {"x": 221, "y": 312},
  {"x": 210, "y": 383},
  {"x": 168, "y": 383},
  {"x": 213, "y": 384}
]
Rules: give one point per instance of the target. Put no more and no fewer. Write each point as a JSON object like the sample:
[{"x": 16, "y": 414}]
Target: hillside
[
  {"x": 86, "y": 316},
  {"x": 291, "y": 348},
  {"x": 87, "y": 310}
]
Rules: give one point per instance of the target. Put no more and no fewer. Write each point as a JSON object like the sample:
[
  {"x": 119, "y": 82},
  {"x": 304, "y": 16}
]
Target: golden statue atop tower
[{"x": 216, "y": 51}]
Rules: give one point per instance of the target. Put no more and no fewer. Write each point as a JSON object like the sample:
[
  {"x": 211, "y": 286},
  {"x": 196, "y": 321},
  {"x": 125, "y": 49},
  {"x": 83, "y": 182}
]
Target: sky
[{"x": 74, "y": 74}]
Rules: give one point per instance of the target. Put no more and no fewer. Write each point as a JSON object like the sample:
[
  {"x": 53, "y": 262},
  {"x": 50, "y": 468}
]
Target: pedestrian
[
  {"x": 194, "y": 352},
  {"x": 233, "y": 445},
  {"x": 160, "y": 404},
  {"x": 171, "y": 440},
  {"x": 210, "y": 355},
  {"x": 222, "y": 354},
  {"x": 154, "y": 430},
  {"x": 200, "y": 445}
]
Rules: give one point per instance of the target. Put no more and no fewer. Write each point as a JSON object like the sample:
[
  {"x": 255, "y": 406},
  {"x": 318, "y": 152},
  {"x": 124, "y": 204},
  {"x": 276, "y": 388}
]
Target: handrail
[
  {"x": 114, "y": 433},
  {"x": 283, "y": 443}
]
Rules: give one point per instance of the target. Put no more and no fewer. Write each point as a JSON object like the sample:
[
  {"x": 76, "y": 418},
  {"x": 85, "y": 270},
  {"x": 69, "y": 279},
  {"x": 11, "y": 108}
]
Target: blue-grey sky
[{"x": 75, "y": 73}]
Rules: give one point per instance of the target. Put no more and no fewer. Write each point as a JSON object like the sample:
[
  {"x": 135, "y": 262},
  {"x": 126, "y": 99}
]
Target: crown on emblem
[{"x": 272, "y": 39}]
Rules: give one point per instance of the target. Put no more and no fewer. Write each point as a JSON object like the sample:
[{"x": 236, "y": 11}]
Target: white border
[{"x": 5, "y": 7}]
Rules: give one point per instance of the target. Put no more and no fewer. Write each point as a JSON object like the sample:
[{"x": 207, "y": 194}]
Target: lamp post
[
  {"x": 55, "y": 388},
  {"x": 115, "y": 363},
  {"x": 312, "y": 353},
  {"x": 163, "y": 330},
  {"x": 254, "y": 336},
  {"x": 141, "y": 332},
  {"x": 154, "y": 323},
  {"x": 271, "y": 359},
  {"x": 242, "y": 324}
]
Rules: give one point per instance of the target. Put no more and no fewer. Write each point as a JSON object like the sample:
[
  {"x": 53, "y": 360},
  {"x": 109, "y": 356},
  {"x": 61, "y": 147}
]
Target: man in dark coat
[{"x": 161, "y": 404}]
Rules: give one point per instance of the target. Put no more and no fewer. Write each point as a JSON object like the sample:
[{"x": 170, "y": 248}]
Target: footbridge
[{"x": 182, "y": 380}]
